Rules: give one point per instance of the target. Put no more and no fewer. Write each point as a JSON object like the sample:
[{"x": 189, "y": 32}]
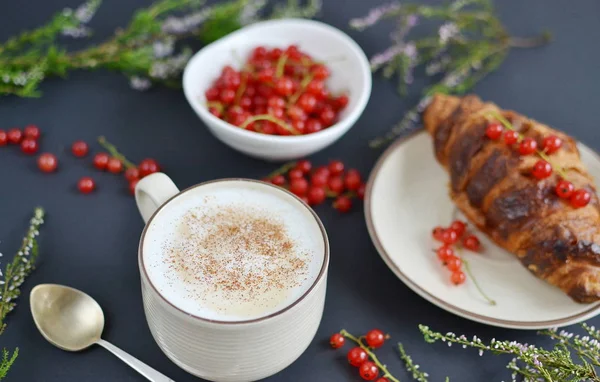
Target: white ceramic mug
[{"x": 238, "y": 351}]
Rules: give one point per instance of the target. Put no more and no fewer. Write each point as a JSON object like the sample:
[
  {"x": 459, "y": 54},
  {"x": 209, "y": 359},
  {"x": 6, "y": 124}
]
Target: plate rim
[{"x": 449, "y": 307}]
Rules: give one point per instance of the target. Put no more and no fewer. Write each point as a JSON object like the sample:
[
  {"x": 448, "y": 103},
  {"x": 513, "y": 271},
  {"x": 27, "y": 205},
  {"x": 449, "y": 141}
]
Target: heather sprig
[
  {"x": 468, "y": 42},
  {"x": 145, "y": 50},
  {"x": 13, "y": 276}
]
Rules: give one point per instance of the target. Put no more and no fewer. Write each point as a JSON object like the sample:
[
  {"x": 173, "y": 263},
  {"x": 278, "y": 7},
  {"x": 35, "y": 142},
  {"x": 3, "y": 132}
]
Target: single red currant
[
  {"x": 47, "y": 162},
  {"x": 315, "y": 87},
  {"x": 320, "y": 72},
  {"x": 227, "y": 96},
  {"x": 449, "y": 236},
  {"x": 361, "y": 191},
  {"x": 458, "y": 278},
  {"x": 437, "y": 233},
  {"x": 580, "y": 198},
  {"x": 101, "y": 161},
  {"x": 551, "y": 144},
  {"x": 3, "y": 138},
  {"x": 32, "y": 131},
  {"x": 375, "y": 338},
  {"x": 86, "y": 185},
  {"x": 318, "y": 180},
  {"x": 444, "y": 253},
  {"x": 313, "y": 126},
  {"x": 471, "y": 243},
  {"x": 327, "y": 116},
  {"x": 337, "y": 341},
  {"x": 299, "y": 186},
  {"x": 316, "y": 195},
  {"x": 336, "y": 184},
  {"x": 352, "y": 180},
  {"x": 527, "y": 146},
  {"x": 132, "y": 185},
  {"x": 342, "y": 203},
  {"x": 357, "y": 356},
  {"x": 541, "y": 169},
  {"x": 382, "y": 379},
  {"x": 459, "y": 227},
  {"x": 454, "y": 263},
  {"x": 295, "y": 173},
  {"x": 276, "y": 101},
  {"x": 494, "y": 130},
  {"x": 79, "y": 149},
  {"x": 14, "y": 136},
  {"x": 29, "y": 146},
  {"x": 323, "y": 171},
  {"x": 307, "y": 102},
  {"x": 511, "y": 137},
  {"x": 304, "y": 166},
  {"x": 368, "y": 371},
  {"x": 132, "y": 174},
  {"x": 336, "y": 167},
  {"x": 284, "y": 86},
  {"x": 564, "y": 189},
  {"x": 148, "y": 166},
  {"x": 114, "y": 165},
  {"x": 278, "y": 180}
]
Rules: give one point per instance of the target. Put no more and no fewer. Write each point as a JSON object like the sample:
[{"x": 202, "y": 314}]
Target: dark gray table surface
[{"x": 90, "y": 241}]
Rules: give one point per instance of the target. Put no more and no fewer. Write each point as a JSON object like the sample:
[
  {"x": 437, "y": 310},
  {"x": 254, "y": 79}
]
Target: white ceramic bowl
[{"x": 350, "y": 73}]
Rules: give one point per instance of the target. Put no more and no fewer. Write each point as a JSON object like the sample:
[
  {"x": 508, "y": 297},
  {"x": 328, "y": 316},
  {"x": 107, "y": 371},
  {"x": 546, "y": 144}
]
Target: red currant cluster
[
  {"x": 28, "y": 139},
  {"x": 543, "y": 168},
  {"x": 314, "y": 186},
  {"x": 449, "y": 237},
  {"x": 361, "y": 356},
  {"x": 278, "y": 92}
]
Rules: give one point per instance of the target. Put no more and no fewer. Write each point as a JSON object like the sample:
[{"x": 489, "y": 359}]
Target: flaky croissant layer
[{"x": 493, "y": 186}]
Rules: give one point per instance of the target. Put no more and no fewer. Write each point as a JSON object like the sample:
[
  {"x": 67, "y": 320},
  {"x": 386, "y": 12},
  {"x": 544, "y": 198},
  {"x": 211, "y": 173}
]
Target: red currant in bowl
[{"x": 322, "y": 100}]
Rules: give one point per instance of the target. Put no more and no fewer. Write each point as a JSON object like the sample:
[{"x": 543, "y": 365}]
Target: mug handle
[{"x": 153, "y": 191}]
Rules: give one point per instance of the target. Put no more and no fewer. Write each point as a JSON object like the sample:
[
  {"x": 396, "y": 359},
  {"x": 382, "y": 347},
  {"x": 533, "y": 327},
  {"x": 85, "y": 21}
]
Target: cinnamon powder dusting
[{"x": 237, "y": 260}]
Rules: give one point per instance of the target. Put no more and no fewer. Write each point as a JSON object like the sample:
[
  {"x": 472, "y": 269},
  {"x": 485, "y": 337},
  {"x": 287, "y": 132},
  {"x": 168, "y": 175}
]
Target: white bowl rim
[{"x": 306, "y": 138}]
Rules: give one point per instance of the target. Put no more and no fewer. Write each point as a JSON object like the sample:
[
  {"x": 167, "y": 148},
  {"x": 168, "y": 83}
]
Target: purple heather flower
[
  {"x": 536, "y": 361},
  {"x": 164, "y": 48},
  {"x": 76, "y": 32},
  {"x": 250, "y": 10},
  {"x": 380, "y": 59},
  {"x": 374, "y": 16},
  {"x": 140, "y": 83},
  {"x": 447, "y": 31},
  {"x": 412, "y": 20},
  {"x": 86, "y": 11},
  {"x": 186, "y": 24}
]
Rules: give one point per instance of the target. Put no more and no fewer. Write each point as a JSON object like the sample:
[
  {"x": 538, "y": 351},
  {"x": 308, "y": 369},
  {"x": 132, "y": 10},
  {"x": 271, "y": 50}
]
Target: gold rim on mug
[
  {"x": 430, "y": 297},
  {"x": 274, "y": 314}
]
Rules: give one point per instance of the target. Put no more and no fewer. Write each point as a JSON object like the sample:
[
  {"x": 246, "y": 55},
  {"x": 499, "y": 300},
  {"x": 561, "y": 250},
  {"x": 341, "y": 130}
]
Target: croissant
[{"x": 493, "y": 186}]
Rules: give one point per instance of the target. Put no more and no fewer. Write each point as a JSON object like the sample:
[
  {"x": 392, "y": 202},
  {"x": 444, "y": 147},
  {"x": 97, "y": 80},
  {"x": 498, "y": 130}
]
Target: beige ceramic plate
[{"x": 407, "y": 196}]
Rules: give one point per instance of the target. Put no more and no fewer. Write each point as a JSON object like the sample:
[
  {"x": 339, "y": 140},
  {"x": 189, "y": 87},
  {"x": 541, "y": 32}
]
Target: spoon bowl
[{"x": 68, "y": 318}]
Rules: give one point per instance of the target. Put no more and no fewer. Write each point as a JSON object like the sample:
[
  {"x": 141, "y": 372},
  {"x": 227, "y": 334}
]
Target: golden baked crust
[{"x": 491, "y": 184}]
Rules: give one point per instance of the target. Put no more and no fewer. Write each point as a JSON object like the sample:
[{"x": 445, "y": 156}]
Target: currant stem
[
  {"x": 280, "y": 65},
  {"x": 506, "y": 123},
  {"x": 112, "y": 149},
  {"x": 472, "y": 276},
  {"x": 282, "y": 170},
  {"x": 305, "y": 81},
  {"x": 372, "y": 355},
  {"x": 270, "y": 118}
]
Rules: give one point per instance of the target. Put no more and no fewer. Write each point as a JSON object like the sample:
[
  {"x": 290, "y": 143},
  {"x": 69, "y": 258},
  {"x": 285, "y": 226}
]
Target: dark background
[{"x": 90, "y": 241}]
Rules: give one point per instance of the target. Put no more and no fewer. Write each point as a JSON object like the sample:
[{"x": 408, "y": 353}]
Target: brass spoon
[{"x": 71, "y": 320}]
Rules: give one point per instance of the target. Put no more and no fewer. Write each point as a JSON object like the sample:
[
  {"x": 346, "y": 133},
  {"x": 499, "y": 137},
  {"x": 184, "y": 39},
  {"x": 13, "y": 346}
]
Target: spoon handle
[{"x": 145, "y": 370}]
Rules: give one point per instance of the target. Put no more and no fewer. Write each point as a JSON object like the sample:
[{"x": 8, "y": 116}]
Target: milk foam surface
[{"x": 233, "y": 251}]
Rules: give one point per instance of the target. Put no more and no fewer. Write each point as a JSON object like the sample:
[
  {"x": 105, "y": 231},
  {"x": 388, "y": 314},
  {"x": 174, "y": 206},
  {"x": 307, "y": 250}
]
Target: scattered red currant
[
  {"x": 361, "y": 191},
  {"x": 132, "y": 174},
  {"x": 299, "y": 187},
  {"x": 368, "y": 371},
  {"x": 580, "y": 198},
  {"x": 541, "y": 169},
  {"x": 14, "y": 136},
  {"x": 375, "y": 338},
  {"x": 278, "y": 180},
  {"x": 494, "y": 130},
  {"x": 564, "y": 189},
  {"x": 148, "y": 166},
  {"x": 336, "y": 184},
  {"x": 32, "y": 132},
  {"x": 357, "y": 356},
  {"x": 382, "y": 379},
  {"x": 458, "y": 278},
  {"x": 352, "y": 180},
  {"x": 86, "y": 185},
  {"x": 79, "y": 149},
  {"x": 337, "y": 341},
  {"x": 551, "y": 144},
  {"x": 304, "y": 166},
  {"x": 29, "y": 146},
  {"x": 47, "y": 162},
  {"x": 3, "y": 138},
  {"x": 132, "y": 185},
  {"x": 101, "y": 161},
  {"x": 336, "y": 167},
  {"x": 342, "y": 203},
  {"x": 295, "y": 173},
  {"x": 114, "y": 165},
  {"x": 316, "y": 196},
  {"x": 511, "y": 137},
  {"x": 471, "y": 243},
  {"x": 527, "y": 146},
  {"x": 318, "y": 180}
]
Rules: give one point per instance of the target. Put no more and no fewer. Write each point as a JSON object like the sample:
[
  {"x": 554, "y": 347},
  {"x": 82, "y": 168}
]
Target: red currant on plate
[
  {"x": 541, "y": 169},
  {"x": 511, "y": 137},
  {"x": 564, "y": 189},
  {"x": 47, "y": 162},
  {"x": 551, "y": 144},
  {"x": 437, "y": 233},
  {"x": 375, "y": 338},
  {"x": 449, "y": 236},
  {"x": 471, "y": 243},
  {"x": 459, "y": 227},
  {"x": 357, "y": 356},
  {"x": 29, "y": 146},
  {"x": 337, "y": 341},
  {"x": 580, "y": 198},
  {"x": 458, "y": 278},
  {"x": 86, "y": 185},
  {"x": 494, "y": 131},
  {"x": 368, "y": 371},
  {"x": 527, "y": 146},
  {"x": 101, "y": 161},
  {"x": 32, "y": 131},
  {"x": 454, "y": 263},
  {"x": 444, "y": 253},
  {"x": 79, "y": 149}
]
